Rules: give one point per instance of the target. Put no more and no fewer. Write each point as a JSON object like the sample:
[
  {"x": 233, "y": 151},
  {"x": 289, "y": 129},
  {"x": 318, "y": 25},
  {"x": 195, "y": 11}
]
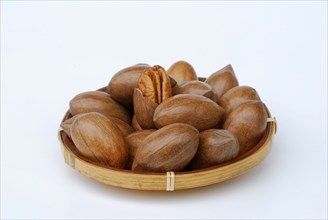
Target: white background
[{"x": 50, "y": 51}]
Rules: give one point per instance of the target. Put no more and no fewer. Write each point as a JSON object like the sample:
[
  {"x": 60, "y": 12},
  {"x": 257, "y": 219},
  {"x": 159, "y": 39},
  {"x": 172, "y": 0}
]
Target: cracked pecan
[{"x": 154, "y": 83}]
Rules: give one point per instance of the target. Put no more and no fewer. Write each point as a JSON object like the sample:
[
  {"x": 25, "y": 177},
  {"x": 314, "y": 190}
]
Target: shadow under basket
[{"x": 168, "y": 181}]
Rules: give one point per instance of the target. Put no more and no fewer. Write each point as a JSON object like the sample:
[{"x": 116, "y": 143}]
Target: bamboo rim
[{"x": 168, "y": 181}]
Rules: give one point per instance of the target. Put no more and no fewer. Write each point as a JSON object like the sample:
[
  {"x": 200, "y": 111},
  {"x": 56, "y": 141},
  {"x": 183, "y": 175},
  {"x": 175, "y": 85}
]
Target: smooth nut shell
[
  {"x": 100, "y": 102},
  {"x": 194, "y": 87},
  {"x": 247, "y": 122},
  {"x": 122, "y": 84},
  {"x": 124, "y": 127},
  {"x": 215, "y": 146},
  {"x": 134, "y": 141},
  {"x": 222, "y": 80},
  {"x": 182, "y": 71},
  {"x": 236, "y": 96},
  {"x": 144, "y": 109},
  {"x": 198, "y": 111},
  {"x": 99, "y": 139},
  {"x": 170, "y": 148}
]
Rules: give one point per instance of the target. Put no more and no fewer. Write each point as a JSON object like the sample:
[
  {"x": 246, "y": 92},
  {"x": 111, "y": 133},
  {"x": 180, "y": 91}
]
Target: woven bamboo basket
[{"x": 168, "y": 181}]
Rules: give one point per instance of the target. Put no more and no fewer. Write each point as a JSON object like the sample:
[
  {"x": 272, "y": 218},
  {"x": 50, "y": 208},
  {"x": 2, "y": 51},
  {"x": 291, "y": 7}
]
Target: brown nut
[
  {"x": 134, "y": 141},
  {"x": 222, "y": 80},
  {"x": 170, "y": 148},
  {"x": 122, "y": 84},
  {"x": 124, "y": 127},
  {"x": 247, "y": 122},
  {"x": 215, "y": 146},
  {"x": 144, "y": 109},
  {"x": 194, "y": 87},
  {"x": 182, "y": 71},
  {"x": 236, "y": 96},
  {"x": 135, "y": 124},
  {"x": 196, "y": 110},
  {"x": 99, "y": 139},
  {"x": 100, "y": 102}
]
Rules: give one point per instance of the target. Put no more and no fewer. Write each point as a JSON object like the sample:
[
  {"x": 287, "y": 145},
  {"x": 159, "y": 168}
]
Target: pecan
[
  {"x": 154, "y": 83},
  {"x": 146, "y": 86}
]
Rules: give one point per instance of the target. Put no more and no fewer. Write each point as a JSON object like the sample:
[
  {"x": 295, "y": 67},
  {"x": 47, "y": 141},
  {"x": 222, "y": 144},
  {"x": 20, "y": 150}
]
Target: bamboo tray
[{"x": 168, "y": 181}]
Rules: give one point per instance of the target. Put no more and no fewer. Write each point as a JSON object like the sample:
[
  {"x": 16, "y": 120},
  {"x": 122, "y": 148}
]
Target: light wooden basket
[{"x": 168, "y": 181}]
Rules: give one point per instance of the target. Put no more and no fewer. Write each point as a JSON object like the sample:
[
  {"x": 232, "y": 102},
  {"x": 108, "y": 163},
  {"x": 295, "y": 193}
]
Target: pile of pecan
[{"x": 150, "y": 119}]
